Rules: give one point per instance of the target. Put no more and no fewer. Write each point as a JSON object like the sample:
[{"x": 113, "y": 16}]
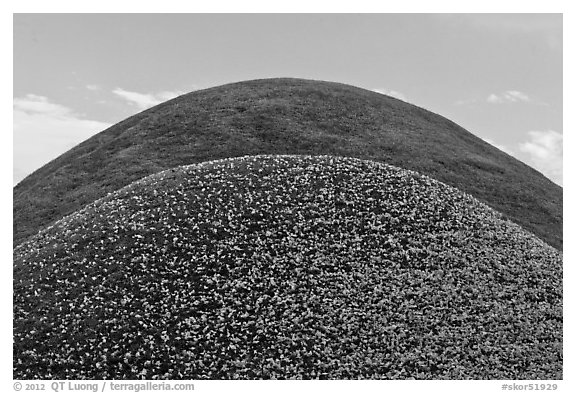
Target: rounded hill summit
[{"x": 286, "y": 116}]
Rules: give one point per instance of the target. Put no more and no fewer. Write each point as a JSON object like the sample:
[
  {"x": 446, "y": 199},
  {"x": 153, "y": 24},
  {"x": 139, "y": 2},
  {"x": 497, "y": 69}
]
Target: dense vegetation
[
  {"x": 287, "y": 267},
  {"x": 287, "y": 116}
]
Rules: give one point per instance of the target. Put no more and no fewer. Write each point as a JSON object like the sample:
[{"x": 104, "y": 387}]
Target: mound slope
[
  {"x": 287, "y": 267},
  {"x": 287, "y": 116}
]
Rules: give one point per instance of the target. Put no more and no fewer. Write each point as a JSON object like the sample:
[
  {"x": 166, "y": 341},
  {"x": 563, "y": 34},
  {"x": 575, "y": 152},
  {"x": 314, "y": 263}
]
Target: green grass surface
[
  {"x": 287, "y": 116},
  {"x": 287, "y": 267}
]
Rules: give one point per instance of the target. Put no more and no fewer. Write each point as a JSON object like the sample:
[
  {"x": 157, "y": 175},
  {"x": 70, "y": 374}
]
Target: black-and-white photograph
[{"x": 274, "y": 196}]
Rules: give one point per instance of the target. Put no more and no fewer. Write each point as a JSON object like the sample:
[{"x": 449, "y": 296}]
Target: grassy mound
[
  {"x": 287, "y": 116},
  {"x": 287, "y": 267}
]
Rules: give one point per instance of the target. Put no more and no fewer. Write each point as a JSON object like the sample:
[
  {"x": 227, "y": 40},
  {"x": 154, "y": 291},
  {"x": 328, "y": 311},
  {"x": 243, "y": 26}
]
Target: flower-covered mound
[{"x": 287, "y": 267}]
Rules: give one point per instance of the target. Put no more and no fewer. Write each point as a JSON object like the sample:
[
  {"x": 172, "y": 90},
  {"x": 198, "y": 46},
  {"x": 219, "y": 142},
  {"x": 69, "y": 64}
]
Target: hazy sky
[{"x": 497, "y": 75}]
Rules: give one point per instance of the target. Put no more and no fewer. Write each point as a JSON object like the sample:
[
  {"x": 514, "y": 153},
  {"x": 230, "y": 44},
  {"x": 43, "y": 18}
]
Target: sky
[{"x": 497, "y": 75}]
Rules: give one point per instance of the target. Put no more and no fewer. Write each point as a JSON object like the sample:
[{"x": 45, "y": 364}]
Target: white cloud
[
  {"x": 168, "y": 95},
  {"x": 497, "y": 145},
  {"x": 43, "y": 130},
  {"x": 508, "y": 96},
  {"x": 33, "y": 103},
  {"x": 494, "y": 99},
  {"x": 93, "y": 87},
  {"x": 544, "y": 152},
  {"x": 391, "y": 93},
  {"x": 145, "y": 100}
]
